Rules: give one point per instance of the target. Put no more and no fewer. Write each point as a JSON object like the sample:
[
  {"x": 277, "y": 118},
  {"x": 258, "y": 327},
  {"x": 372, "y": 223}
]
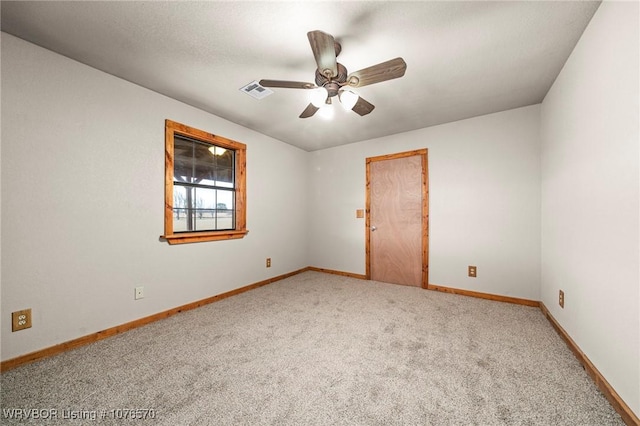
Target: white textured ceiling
[{"x": 464, "y": 59}]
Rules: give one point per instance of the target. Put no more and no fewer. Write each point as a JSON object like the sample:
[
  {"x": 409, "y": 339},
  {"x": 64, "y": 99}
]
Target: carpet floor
[{"x": 319, "y": 349}]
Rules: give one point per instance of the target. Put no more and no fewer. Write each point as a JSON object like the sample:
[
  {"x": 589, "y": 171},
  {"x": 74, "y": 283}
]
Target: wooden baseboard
[
  {"x": 487, "y": 296},
  {"x": 331, "y": 271},
  {"x": 90, "y": 338},
  {"x": 612, "y": 396}
]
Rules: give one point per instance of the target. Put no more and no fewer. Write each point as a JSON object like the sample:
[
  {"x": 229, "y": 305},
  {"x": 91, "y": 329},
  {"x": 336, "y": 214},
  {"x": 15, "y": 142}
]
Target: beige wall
[
  {"x": 590, "y": 197},
  {"x": 484, "y": 202},
  {"x": 82, "y": 203}
]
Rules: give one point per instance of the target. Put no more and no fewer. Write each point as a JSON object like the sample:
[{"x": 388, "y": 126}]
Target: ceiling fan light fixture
[
  {"x": 331, "y": 78},
  {"x": 319, "y": 97},
  {"x": 348, "y": 99}
]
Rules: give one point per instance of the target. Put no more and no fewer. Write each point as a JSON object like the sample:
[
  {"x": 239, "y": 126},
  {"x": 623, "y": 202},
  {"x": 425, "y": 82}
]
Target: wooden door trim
[{"x": 425, "y": 209}]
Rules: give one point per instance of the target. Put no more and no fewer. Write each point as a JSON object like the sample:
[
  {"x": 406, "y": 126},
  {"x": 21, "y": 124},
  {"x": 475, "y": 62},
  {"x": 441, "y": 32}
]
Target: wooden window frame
[{"x": 171, "y": 129}]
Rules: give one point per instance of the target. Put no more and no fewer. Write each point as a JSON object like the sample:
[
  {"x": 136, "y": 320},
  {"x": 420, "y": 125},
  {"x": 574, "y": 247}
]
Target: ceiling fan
[{"x": 332, "y": 77}]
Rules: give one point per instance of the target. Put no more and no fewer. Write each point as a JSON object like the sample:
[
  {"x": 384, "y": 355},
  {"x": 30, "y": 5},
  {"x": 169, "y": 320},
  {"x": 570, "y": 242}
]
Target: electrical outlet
[
  {"x": 561, "y": 299},
  {"x": 472, "y": 271},
  {"x": 21, "y": 320},
  {"x": 139, "y": 293},
  {"x": 268, "y": 262}
]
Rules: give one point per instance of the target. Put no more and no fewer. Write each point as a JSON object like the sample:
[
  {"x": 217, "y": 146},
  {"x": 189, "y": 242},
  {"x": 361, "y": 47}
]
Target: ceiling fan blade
[
  {"x": 362, "y": 107},
  {"x": 375, "y": 74},
  {"x": 287, "y": 84},
  {"x": 309, "y": 111},
  {"x": 324, "y": 50}
]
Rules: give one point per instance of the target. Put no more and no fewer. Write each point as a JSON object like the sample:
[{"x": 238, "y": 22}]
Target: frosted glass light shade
[
  {"x": 348, "y": 99},
  {"x": 319, "y": 97}
]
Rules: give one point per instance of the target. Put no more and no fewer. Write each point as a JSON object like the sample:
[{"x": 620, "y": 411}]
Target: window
[{"x": 205, "y": 186}]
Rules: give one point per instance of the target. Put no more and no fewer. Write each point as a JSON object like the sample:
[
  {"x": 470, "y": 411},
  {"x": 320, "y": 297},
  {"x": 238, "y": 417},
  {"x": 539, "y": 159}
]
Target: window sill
[{"x": 199, "y": 237}]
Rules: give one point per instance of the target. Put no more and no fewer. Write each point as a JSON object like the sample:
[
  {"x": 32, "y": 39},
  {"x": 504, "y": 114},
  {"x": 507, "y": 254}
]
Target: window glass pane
[
  {"x": 224, "y": 168},
  {"x": 197, "y": 208},
  {"x": 225, "y": 202},
  {"x": 180, "y": 210},
  {"x": 218, "y": 151},
  {"x": 182, "y": 160},
  {"x": 213, "y": 209},
  {"x": 204, "y": 164},
  {"x": 224, "y": 157},
  {"x": 224, "y": 178},
  {"x": 202, "y": 209}
]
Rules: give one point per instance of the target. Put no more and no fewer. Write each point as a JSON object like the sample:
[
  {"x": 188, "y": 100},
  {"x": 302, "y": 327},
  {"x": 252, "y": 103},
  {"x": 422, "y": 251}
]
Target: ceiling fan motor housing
[{"x": 332, "y": 85}]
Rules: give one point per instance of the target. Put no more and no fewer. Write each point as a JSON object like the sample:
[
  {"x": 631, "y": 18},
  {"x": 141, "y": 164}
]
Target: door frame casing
[{"x": 423, "y": 153}]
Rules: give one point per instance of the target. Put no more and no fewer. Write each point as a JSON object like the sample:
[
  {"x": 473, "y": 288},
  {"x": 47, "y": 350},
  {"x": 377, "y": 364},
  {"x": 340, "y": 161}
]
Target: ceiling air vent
[{"x": 254, "y": 90}]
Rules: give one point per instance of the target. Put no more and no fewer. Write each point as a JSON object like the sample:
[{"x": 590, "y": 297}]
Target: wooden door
[{"x": 397, "y": 218}]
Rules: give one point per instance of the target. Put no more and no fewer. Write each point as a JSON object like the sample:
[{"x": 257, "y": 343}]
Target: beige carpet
[{"x": 319, "y": 349}]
